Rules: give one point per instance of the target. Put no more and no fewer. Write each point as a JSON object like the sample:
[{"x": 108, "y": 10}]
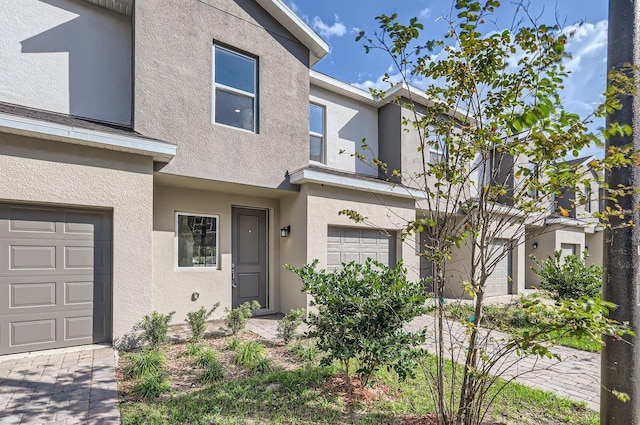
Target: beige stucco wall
[
  {"x": 315, "y": 208},
  {"x": 549, "y": 240},
  {"x": 347, "y": 122},
  {"x": 382, "y": 212},
  {"x": 40, "y": 171},
  {"x": 594, "y": 244},
  {"x": 172, "y": 287},
  {"x": 173, "y": 89},
  {"x": 459, "y": 267},
  {"x": 293, "y": 249}
]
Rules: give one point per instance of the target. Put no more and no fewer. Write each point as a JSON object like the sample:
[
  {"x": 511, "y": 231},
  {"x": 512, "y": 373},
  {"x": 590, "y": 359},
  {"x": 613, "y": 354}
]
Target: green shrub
[
  {"x": 152, "y": 386},
  {"x": 304, "y": 353},
  {"x": 197, "y": 321},
  {"x": 361, "y": 311},
  {"x": 261, "y": 365},
  {"x": 213, "y": 372},
  {"x": 236, "y": 319},
  {"x": 206, "y": 357},
  {"x": 212, "y": 368},
  {"x": 288, "y": 324},
  {"x": 192, "y": 350},
  {"x": 232, "y": 344},
  {"x": 249, "y": 353},
  {"x": 154, "y": 328},
  {"x": 569, "y": 279},
  {"x": 146, "y": 362}
]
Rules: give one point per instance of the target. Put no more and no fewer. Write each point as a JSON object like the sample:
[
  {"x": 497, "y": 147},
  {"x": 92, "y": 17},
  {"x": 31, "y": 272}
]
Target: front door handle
[{"x": 234, "y": 284}]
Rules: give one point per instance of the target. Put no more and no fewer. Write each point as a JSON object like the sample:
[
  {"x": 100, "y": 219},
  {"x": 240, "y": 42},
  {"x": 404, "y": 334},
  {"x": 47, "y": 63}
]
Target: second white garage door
[
  {"x": 346, "y": 244},
  {"x": 498, "y": 282}
]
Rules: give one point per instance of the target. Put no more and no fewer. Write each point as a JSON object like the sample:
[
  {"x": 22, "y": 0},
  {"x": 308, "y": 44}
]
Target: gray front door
[
  {"x": 55, "y": 277},
  {"x": 249, "y": 256}
]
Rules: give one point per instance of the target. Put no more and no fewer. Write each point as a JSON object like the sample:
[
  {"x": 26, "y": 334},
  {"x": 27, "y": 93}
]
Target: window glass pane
[
  {"x": 435, "y": 157},
  {"x": 316, "y": 119},
  {"x": 235, "y": 110},
  {"x": 235, "y": 71},
  {"x": 316, "y": 149},
  {"x": 197, "y": 241}
]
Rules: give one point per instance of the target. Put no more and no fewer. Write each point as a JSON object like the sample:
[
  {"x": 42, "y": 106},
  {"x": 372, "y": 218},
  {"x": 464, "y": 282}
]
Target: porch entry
[{"x": 249, "y": 254}]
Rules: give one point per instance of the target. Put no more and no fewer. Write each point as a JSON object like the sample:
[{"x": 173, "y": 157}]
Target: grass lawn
[
  {"x": 511, "y": 316},
  {"x": 289, "y": 387}
]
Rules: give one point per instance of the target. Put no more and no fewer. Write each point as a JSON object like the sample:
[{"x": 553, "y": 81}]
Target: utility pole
[{"x": 621, "y": 359}]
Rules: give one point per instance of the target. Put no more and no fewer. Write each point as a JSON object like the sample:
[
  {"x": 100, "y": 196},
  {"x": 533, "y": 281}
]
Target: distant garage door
[
  {"x": 345, "y": 244},
  {"x": 55, "y": 277},
  {"x": 498, "y": 282}
]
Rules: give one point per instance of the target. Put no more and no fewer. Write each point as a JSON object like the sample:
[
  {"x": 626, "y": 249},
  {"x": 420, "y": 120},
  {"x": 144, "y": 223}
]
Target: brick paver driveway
[{"x": 59, "y": 387}]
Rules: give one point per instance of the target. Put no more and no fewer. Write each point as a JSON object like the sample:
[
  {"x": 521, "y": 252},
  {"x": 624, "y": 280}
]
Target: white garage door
[
  {"x": 55, "y": 277},
  {"x": 345, "y": 244},
  {"x": 498, "y": 282}
]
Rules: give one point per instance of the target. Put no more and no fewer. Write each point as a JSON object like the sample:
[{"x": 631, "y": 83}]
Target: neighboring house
[
  {"x": 170, "y": 155},
  {"x": 570, "y": 225}
]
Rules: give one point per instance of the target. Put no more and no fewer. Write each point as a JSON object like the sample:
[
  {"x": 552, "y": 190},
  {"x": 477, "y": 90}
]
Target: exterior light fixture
[
  {"x": 284, "y": 232},
  {"x": 535, "y": 245}
]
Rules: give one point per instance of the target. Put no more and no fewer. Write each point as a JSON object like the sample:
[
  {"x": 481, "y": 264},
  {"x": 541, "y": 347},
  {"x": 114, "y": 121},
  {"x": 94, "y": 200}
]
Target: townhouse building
[{"x": 170, "y": 155}]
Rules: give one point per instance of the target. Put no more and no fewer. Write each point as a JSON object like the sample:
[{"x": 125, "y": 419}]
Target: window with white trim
[
  {"x": 197, "y": 240},
  {"x": 234, "y": 89},
  {"x": 316, "y": 133}
]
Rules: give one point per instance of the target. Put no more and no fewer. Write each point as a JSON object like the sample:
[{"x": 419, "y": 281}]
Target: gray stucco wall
[
  {"x": 66, "y": 56},
  {"x": 173, "y": 89}
]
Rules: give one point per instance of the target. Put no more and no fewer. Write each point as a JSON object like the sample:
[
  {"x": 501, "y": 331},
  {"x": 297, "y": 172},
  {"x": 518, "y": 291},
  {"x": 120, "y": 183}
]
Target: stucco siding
[
  {"x": 347, "y": 123},
  {"x": 66, "y": 56},
  {"x": 173, "y": 287},
  {"x": 173, "y": 90},
  {"x": 44, "y": 172}
]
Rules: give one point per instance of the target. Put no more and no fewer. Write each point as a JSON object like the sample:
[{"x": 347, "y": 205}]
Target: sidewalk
[{"x": 576, "y": 377}]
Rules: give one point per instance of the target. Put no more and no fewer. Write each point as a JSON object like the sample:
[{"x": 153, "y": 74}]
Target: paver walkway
[
  {"x": 66, "y": 386},
  {"x": 576, "y": 377}
]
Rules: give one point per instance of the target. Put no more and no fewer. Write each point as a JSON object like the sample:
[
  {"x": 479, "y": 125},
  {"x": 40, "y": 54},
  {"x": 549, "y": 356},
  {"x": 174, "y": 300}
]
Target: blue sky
[{"x": 339, "y": 21}]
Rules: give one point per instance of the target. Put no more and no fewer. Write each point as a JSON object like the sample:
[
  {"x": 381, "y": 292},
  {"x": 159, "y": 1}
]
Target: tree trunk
[{"x": 621, "y": 360}]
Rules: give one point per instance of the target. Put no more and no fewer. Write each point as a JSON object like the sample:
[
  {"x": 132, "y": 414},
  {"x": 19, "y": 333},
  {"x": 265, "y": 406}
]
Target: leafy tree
[
  {"x": 359, "y": 314},
  {"x": 495, "y": 117},
  {"x": 569, "y": 277}
]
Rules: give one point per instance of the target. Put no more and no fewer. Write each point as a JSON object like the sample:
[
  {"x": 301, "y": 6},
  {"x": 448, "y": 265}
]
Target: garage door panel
[
  {"x": 345, "y": 245},
  {"x": 32, "y": 257},
  {"x": 55, "y": 277},
  {"x": 32, "y": 332},
  {"x": 32, "y": 294}
]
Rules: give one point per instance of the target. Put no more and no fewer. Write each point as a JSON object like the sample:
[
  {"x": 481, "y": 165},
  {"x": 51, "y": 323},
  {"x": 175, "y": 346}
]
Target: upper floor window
[
  {"x": 234, "y": 88},
  {"x": 316, "y": 133}
]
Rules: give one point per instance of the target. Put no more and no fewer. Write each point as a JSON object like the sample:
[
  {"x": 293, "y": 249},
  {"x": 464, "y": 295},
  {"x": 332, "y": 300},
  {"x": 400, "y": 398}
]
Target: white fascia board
[
  {"x": 318, "y": 48},
  {"x": 336, "y": 86},
  {"x": 573, "y": 222},
  {"x": 314, "y": 176},
  {"x": 160, "y": 151}
]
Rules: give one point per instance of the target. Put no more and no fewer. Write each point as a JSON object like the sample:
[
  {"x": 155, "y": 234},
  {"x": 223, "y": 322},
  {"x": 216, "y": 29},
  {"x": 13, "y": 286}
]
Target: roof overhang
[
  {"x": 159, "y": 150},
  {"x": 307, "y": 175},
  {"x": 341, "y": 88},
  {"x": 124, "y": 7},
  {"x": 318, "y": 48}
]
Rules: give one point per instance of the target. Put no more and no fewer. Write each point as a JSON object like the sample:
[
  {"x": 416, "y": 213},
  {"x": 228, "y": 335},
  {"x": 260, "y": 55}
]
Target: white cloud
[
  {"x": 355, "y": 30},
  {"x": 338, "y": 29},
  {"x": 294, "y": 6},
  {"x": 423, "y": 13}
]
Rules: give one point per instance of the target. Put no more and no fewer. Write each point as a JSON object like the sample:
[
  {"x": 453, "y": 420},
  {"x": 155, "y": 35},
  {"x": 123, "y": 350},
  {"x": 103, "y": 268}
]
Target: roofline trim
[
  {"x": 307, "y": 175},
  {"x": 318, "y": 48},
  {"x": 159, "y": 150}
]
